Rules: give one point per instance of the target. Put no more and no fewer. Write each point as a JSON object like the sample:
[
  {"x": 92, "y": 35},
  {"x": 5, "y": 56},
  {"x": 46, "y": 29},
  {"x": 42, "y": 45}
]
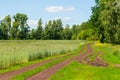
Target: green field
[
  {"x": 109, "y": 52},
  {"x": 16, "y": 52},
  {"x": 77, "y": 71},
  {"x": 27, "y": 52}
]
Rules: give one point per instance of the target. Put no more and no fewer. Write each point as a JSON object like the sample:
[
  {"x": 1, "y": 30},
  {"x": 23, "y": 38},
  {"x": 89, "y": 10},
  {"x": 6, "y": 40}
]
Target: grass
[
  {"x": 109, "y": 52},
  {"x": 14, "y": 52},
  {"x": 43, "y": 67},
  {"x": 39, "y": 69},
  {"x": 15, "y": 67},
  {"x": 77, "y": 71}
]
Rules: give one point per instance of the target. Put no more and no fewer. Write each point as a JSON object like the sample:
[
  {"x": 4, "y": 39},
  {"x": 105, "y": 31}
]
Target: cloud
[
  {"x": 53, "y": 9},
  {"x": 32, "y": 23},
  {"x": 1, "y": 18},
  {"x": 65, "y": 19}
]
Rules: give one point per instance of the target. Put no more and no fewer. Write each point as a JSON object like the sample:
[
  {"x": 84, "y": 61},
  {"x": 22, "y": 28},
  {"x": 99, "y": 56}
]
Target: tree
[
  {"x": 94, "y": 21},
  {"x": 67, "y": 33},
  {"x": 110, "y": 20},
  {"x": 15, "y": 30},
  {"x": 48, "y": 30},
  {"x": 75, "y": 31},
  {"x": 53, "y": 30},
  {"x": 5, "y": 26},
  {"x": 88, "y": 34},
  {"x": 1, "y": 33},
  {"x": 32, "y": 34},
  {"x": 21, "y": 19},
  {"x": 39, "y": 31},
  {"x": 57, "y": 28}
]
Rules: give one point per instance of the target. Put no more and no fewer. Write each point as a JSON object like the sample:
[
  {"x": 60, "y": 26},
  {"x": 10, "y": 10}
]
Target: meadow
[
  {"x": 77, "y": 71},
  {"x": 13, "y": 52},
  {"x": 109, "y": 52}
]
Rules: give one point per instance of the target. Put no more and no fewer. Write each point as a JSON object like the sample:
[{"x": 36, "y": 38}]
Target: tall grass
[{"x": 17, "y": 52}]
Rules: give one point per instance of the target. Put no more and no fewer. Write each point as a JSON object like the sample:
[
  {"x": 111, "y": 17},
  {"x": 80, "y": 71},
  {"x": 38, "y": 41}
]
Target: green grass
[
  {"x": 77, "y": 71},
  {"x": 13, "y": 52},
  {"x": 43, "y": 67},
  {"x": 109, "y": 52}
]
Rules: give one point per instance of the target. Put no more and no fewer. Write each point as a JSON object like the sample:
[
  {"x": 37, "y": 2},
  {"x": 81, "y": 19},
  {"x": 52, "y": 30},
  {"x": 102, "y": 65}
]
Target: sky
[{"x": 69, "y": 11}]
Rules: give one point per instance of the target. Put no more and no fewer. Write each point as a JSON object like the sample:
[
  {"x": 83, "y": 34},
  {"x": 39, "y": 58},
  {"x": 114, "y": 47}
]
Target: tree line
[
  {"x": 18, "y": 29},
  {"x": 103, "y": 25}
]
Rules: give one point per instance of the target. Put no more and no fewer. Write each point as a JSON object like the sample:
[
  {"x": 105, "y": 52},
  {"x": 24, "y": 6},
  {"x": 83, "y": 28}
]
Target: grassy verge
[
  {"x": 109, "y": 52},
  {"x": 77, "y": 71},
  {"x": 39, "y": 69}
]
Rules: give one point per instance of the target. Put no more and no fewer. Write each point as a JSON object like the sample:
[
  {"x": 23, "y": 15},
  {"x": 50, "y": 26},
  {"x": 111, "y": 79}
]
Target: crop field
[{"x": 16, "y": 51}]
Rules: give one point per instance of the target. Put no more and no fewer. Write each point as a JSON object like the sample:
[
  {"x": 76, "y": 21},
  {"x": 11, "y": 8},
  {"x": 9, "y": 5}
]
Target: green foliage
[
  {"x": 5, "y": 27},
  {"x": 54, "y": 30},
  {"x": 67, "y": 33},
  {"x": 39, "y": 31},
  {"x": 106, "y": 21},
  {"x": 88, "y": 34},
  {"x": 20, "y": 28},
  {"x": 109, "y": 18}
]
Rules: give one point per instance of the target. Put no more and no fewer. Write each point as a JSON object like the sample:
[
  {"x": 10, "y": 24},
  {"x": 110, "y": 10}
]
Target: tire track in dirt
[
  {"x": 10, "y": 74},
  {"x": 83, "y": 58},
  {"x": 44, "y": 75},
  {"x": 98, "y": 62}
]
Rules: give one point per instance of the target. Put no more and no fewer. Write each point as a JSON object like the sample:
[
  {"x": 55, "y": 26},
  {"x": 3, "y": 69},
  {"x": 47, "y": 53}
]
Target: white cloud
[
  {"x": 53, "y": 9},
  {"x": 1, "y": 18},
  {"x": 65, "y": 19},
  {"x": 32, "y": 22}
]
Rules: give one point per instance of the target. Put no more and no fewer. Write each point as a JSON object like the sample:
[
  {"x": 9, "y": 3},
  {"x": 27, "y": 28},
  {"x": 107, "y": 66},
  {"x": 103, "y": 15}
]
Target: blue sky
[{"x": 70, "y": 11}]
